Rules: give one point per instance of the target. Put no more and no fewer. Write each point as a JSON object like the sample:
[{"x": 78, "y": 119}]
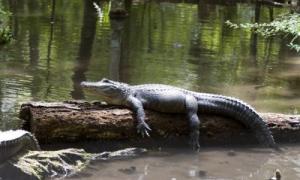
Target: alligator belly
[{"x": 168, "y": 102}]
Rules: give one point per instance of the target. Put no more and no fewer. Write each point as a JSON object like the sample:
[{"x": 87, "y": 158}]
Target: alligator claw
[
  {"x": 143, "y": 128},
  {"x": 195, "y": 145},
  {"x": 147, "y": 133},
  {"x": 194, "y": 140}
]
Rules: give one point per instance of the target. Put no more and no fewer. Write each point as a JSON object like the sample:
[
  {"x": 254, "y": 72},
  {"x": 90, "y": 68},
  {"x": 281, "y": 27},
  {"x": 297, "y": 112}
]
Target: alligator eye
[{"x": 105, "y": 80}]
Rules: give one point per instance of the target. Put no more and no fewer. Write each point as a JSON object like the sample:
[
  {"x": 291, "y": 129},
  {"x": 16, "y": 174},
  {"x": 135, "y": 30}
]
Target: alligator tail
[
  {"x": 33, "y": 143},
  {"x": 238, "y": 110},
  {"x": 14, "y": 143}
]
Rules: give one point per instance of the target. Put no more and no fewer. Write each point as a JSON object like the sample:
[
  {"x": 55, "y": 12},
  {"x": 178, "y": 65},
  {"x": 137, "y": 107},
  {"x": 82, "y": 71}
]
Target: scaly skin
[
  {"x": 169, "y": 99},
  {"x": 16, "y": 142}
]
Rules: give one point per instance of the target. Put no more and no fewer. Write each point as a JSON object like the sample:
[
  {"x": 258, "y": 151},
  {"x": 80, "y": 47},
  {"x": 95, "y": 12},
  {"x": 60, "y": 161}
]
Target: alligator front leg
[
  {"x": 137, "y": 107},
  {"x": 191, "y": 109}
]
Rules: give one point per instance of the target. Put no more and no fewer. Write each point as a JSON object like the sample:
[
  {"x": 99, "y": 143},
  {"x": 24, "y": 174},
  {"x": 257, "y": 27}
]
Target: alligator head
[{"x": 110, "y": 91}]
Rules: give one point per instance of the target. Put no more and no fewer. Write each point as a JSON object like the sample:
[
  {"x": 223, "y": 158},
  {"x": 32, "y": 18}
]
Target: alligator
[
  {"x": 16, "y": 142},
  {"x": 170, "y": 99}
]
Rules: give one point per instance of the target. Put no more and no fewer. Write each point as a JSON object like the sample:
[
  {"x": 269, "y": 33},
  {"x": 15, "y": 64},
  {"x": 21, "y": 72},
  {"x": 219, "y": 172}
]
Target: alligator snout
[
  {"x": 85, "y": 84},
  {"x": 88, "y": 85}
]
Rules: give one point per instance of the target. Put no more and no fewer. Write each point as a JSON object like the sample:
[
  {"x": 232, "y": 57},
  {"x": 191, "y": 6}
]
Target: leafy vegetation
[
  {"x": 287, "y": 25},
  {"x": 5, "y": 32},
  {"x": 5, "y": 35}
]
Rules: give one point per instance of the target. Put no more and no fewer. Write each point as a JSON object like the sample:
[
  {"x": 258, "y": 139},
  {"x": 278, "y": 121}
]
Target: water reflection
[
  {"x": 61, "y": 43},
  {"x": 117, "y": 28},
  {"x": 85, "y": 48},
  {"x": 208, "y": 164}
]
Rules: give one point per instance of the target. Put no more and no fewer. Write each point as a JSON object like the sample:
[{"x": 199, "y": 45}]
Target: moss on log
[{"x": 77, "y": 121}]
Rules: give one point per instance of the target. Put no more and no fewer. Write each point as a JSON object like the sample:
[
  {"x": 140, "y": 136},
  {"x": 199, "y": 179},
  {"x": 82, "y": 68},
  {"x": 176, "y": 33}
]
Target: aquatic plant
[
  {"x": 287, "y": 25},
  {"x": 5, "y": 35},
  {"x": 5, "y": 32}
]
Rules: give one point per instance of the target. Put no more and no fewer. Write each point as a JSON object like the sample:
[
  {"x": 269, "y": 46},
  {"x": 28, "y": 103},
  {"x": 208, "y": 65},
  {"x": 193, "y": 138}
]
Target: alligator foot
[
  {"x": 194, "y": 140},
  {"x": 143, "y": 128}
]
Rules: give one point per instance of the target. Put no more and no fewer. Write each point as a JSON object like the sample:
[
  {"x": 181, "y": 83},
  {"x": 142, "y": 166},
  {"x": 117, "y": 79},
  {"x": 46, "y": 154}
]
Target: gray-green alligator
[{"x": 169, "y": 99}]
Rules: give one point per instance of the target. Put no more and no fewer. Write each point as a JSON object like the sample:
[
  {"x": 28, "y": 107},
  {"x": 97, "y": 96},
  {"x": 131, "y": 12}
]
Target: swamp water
[
  {"x": 209, "y": 164},
  {"x": 58, "y": 44}
]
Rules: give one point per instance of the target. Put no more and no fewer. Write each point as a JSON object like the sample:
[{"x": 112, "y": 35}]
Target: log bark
[{"x": 74, "y": 121}]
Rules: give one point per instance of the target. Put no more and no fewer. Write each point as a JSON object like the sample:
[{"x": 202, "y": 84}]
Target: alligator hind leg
[{"x": 194, "y": 122}]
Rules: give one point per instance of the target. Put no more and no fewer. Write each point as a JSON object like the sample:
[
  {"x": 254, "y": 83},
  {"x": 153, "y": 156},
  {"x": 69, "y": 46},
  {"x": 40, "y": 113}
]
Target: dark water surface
[{"x": 58, "y": 45}]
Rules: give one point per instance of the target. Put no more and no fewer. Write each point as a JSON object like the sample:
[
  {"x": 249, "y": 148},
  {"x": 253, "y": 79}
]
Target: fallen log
[{"x": 74, "y": 121}]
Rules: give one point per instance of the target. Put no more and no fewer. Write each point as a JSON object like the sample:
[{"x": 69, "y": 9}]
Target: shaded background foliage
[
  {"x": 5, "y": 33},
  {"x": 285, "y": 25}
]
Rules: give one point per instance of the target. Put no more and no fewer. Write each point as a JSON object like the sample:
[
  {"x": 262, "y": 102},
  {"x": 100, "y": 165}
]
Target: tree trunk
[{"x": 78, "y": 121}]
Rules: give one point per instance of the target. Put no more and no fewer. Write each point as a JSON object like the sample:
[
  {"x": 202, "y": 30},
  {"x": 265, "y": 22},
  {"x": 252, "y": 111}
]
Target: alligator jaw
[
  {"x": 109, "y": 91},
  {"x": 86, "y": 84}
]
